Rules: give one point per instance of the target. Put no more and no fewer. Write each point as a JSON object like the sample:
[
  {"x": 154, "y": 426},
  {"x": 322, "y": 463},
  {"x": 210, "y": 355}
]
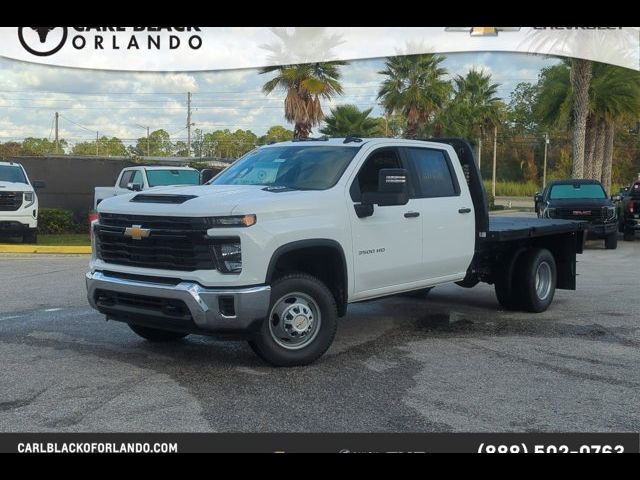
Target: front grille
[
  {"x": 173, "y": 243},
  {"x": 109, "y": 300},
  {"x": 594, "y": 214},
  {"x": 10, "y": 201}
]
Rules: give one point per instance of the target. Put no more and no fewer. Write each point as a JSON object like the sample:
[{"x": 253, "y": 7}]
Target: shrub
[{"x": 55, "y": 221}]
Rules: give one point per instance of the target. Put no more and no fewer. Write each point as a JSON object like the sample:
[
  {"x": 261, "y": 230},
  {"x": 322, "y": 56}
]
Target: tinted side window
[
  {"x": 367, "y": 179},
  {"x": 434, "y": 173},
  {"x": 126, "y": 178},
  {"x": 137, "y": 177}
]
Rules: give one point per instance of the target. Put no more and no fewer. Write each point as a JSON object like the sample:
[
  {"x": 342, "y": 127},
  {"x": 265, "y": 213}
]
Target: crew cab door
[
  {"x": 446, "y": 208},
  {"x": 387, "y": 245}
]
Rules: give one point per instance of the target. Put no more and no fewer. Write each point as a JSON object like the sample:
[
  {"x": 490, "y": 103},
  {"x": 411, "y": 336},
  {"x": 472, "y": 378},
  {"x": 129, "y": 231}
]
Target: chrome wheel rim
[
  {"x": 543, "y": 280},
  {"x": 294, "y": 321}
]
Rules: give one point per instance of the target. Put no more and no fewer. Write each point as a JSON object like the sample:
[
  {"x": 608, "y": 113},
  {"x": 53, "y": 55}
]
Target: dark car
[
  {"x": 628, "y": 201},
  {"x": 581, "y": 200}
]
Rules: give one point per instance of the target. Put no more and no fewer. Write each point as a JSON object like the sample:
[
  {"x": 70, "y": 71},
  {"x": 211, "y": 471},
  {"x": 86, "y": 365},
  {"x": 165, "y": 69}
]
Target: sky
[{"x": 123, "y": 104}]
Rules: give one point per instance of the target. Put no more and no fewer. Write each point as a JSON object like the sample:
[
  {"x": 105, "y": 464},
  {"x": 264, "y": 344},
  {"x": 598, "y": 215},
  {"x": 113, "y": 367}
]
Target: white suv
[{"x": 18, "y": 203}]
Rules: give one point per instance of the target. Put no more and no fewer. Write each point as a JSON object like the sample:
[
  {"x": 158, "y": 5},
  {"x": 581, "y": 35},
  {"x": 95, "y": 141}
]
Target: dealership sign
[{"x": 220, "y": 48}]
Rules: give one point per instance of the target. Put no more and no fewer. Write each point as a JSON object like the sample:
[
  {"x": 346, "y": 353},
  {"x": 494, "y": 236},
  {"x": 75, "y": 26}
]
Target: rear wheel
[
  {"x": 611, "y": 241},
  {"x": 628, "y": 235},
  {"x": 301, "y": 323},
  {"x": 535, "y": 280},
  {"x": 157, "y": 335}
]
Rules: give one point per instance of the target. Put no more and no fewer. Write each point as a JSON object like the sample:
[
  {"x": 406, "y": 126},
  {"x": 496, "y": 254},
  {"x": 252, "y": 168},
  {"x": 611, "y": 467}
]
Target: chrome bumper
[{"x": 251, "y": 303}]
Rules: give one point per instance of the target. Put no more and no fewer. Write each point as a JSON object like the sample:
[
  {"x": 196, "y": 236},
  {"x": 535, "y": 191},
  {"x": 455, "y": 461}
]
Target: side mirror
[
  {"x": 206, "y": 175},
  {"x": 392, "y": 188},
  {"x": 134, "y": 187},
  {"x": 38, "y": 184}
]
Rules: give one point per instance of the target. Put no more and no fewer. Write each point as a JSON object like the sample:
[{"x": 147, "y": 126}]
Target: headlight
[
  {"x": 29, "y": 199},
  {"x": 610, "y": 213},
  {"x": 228, "y": 253},
  {"x": 233, "y": 221}
]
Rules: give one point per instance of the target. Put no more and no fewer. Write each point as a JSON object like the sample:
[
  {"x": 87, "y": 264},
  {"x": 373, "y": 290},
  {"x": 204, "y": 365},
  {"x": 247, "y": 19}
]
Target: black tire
[
  {"x": 263, "y": 343},
  {"x": 422, "y": 293},
  {"x": 628, "y": 235},
  {"x": 30, "y": 236},
  {"x": 611, "y": 241},
  {"x": 524, "y": 280},
  {"x": 157, "y": 335}
]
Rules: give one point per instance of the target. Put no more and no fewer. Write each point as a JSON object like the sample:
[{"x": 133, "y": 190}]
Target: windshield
[
  {"x": 589, "y": 190},
  {"x": 301, "y": 167},
  {"x": 157, "y": 178},
  {"x": 9, "y": 173}
]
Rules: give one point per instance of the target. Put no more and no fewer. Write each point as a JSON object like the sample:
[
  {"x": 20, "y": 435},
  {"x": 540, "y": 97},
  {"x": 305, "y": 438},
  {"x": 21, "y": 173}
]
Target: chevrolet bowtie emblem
[
  {"x": 482, "y": 31},
  {"x": 136, "y": 232}
]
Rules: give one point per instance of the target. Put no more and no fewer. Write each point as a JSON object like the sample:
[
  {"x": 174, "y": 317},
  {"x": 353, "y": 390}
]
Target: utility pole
[
  {"x": 189, "y": 124},
  {"x": 147, "y": 141},
  {"x": 96, "y": 144},
  {"x": 544, "y": 167},
  {"x": 57, "y": 138},
  {"x": 480, "y": 153},
  {"x": 495, "y": 154}
]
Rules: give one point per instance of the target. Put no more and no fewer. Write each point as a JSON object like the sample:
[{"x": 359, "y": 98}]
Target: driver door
[{"x": 387, "y": 246}]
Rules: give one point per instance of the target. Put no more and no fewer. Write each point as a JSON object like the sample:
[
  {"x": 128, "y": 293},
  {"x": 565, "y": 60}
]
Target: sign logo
[
  {"x": 42, "y": 41},
  {"x": 482, "y": 31},
  {"x": 136, "y": 232}
]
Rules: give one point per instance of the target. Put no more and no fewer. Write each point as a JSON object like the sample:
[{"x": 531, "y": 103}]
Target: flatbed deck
[{"x": 503, "y": 229}]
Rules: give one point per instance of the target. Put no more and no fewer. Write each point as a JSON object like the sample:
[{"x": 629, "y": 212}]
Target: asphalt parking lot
[{"x": 451, "y": 362}]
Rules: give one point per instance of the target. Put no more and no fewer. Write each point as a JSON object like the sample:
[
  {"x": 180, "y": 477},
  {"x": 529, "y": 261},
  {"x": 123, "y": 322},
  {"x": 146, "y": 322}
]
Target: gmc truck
[
  {"x": 18, "y": 203},
  {"x": 274, "y": 248},
  {"x": 628, "y": 204}
]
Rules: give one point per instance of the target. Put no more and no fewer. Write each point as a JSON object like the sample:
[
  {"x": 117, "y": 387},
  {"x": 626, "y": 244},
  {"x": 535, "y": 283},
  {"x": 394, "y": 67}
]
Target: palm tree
[
  {"x": 305, "y": 85},
  {"x": 414, "y": 87},
  {"x": 475, "y": 98},
  {"x": 349, "y": 120},
  {"x": 581, "y": 73}
]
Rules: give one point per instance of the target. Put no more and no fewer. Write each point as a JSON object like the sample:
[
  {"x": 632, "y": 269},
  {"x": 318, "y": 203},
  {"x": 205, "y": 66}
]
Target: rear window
[
  {"x": 435, "y": 176},
  {"x": 577, "y": 190}
]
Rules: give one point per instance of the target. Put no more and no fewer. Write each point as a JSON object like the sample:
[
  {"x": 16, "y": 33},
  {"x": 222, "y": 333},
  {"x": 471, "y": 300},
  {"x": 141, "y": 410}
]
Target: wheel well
[{"x": 323, "y": 260}]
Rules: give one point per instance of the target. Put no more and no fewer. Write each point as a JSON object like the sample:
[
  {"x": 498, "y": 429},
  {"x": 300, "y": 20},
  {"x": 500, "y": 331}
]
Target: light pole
[
  {"x": 544, "y": 165},
  {"x": 145, "y": 128}
]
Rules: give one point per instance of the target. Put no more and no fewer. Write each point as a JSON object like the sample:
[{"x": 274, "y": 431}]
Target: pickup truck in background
[
  {"x": 18, "y": 203},
  {"x": 274, "y": 248},
  {"x": 628, "y": 201},
  {"x": 136, "y": 179},
  {"x": 581, "y": 200}
]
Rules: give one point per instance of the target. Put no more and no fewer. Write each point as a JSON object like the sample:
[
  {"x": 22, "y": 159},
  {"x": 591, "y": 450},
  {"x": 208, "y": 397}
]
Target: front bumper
[
  {"x": 182, "y": 306},
  {"x": 17, "y": 225},
  {"x": 602, "y": 229}
]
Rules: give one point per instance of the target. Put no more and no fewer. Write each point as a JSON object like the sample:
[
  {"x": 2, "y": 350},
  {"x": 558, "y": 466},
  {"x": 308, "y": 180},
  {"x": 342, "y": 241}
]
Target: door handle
[
  {"x": 464, "y": 210},
  {"x": 411, "y": 214}
]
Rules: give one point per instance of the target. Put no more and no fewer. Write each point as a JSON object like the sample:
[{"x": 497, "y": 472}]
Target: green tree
[
  {"x": 414, "y": 87},
  {"x": 9, "y": 149},
  {"x": 41, "y": 146},
  {"x": 160, "y": 145},
  {"x": 110, "y": 147},
  {"x": 521, "y": 117},
  {"x": 349, "y": 120},
  {"x": 276, "y": 133},
  {"x": 476, "y": 105},
  {"x": 304, "y": 85}
]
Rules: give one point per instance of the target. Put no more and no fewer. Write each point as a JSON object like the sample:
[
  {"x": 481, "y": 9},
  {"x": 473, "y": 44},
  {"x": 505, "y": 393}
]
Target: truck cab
[
  {"x": 136, "y": 179},
  {"x": 18, "y": 202},
  {"x": 274, "y": 248}
]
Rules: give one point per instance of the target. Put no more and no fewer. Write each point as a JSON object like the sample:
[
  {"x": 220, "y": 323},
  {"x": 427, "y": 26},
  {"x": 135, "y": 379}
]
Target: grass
[
  {"x": 513, "y": 189},
  {"x": 71, "y": 239}
]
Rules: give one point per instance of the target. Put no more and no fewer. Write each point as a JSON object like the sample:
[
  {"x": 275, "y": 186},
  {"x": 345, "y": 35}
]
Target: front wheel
[
  {"x": 611, "y": 241},
  {"x": 31, "y": 236},
  {"x": 301, "y": 323}
]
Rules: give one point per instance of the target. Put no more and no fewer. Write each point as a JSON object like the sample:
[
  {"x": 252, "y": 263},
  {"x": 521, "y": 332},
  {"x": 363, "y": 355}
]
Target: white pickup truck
[
  {"x": 274, "y": 248},
  {"x": 136, "y": 179},
  {"x": 18, "y": 203}
]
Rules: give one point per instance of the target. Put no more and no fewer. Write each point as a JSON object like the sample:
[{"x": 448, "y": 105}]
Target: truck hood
[
  {"x": 15, "y": 187},
  {"x": 580, "y": 203},
  {"x": 209, "y": 200}
]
